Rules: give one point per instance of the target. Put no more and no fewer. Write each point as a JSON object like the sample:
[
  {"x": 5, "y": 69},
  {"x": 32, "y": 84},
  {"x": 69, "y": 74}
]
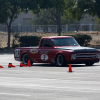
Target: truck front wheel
[{"x": 60, "y": 60}]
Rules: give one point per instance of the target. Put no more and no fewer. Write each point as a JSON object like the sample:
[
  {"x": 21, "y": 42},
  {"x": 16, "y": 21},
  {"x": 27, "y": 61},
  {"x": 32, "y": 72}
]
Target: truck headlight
[
  {"x": 73, "y": 56},
  {"x": 98, "y": 55}
]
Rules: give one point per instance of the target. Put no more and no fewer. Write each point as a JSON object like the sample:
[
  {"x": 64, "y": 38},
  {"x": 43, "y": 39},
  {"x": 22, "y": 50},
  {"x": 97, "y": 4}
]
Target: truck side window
[{"x": 46, "y": 43}]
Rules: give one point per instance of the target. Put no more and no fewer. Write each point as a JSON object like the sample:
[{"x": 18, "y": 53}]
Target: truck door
[{"x": 46, "y": 51}]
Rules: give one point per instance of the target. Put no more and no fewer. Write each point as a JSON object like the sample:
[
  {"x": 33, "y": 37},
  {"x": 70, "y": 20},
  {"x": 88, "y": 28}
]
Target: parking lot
[{"x": 47, "y": 82}]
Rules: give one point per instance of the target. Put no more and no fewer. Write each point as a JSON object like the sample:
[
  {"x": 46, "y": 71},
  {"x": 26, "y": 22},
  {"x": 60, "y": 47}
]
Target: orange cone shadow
[
  {"x": 22, "y": 65},
  {"x": 1, "y": 66}
]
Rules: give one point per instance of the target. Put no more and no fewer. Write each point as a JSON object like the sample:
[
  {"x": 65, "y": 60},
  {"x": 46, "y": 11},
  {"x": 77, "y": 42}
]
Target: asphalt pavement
[{"x": 47, "y": 82}]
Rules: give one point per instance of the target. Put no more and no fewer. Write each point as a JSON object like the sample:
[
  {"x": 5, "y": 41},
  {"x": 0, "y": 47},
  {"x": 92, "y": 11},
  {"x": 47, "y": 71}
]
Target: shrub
[
  {"x": 26, "y": 41},
  {"x": 83, "y": 40},
  {"x": 15, "y": 40}
]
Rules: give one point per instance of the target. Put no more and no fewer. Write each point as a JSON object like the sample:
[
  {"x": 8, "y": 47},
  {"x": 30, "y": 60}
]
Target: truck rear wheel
[
  {"x": 60, "y": 60},
  {"x": 25, "y": 58}
]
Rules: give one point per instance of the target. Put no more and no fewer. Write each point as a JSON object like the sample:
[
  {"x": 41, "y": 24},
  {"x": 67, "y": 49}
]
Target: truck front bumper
[{"x": 82, "y": 61}]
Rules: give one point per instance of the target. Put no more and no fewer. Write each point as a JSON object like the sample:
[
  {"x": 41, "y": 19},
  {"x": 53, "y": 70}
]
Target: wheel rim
[
  {"x": 25, "y": 59},
  {"x": 60, "y": 60}
]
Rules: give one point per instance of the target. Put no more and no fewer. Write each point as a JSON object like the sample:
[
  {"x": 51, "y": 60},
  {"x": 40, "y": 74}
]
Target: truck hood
[{"x": 78, "y": 49}]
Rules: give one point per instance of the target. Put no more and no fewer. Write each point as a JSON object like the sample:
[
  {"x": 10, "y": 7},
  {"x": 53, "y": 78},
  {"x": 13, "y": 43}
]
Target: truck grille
[{"x": 85, "y": 55}]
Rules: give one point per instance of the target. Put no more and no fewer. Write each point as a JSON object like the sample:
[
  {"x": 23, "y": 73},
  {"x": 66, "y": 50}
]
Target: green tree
[
  {"x": 45, "y": 17},
  {"x": 60, "y": 5},
  {"x": 63, "y": 6},
  {"x": 10, "y": 9},
  {"x": 97, "y": 25},
  {"x": 81, "y": 7},
  {"x": 50, "y": 17}
]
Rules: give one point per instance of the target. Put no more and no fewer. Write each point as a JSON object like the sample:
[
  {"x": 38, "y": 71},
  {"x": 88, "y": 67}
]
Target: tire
[
  {"x": 89, "y": 64},
  {"x": 60, "y": 60},
  {"x": 25, "y": 59}
]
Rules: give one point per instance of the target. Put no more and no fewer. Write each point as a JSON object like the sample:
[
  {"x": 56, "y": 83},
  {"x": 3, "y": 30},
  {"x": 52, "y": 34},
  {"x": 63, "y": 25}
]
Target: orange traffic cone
[
  {"x": 70, "y": 68},
  {"x": 21, "y": 65},
  {"x": 29, "y": 63},
  {"x": 1, "y": 66},
  {"x": 10, "y": 65}
]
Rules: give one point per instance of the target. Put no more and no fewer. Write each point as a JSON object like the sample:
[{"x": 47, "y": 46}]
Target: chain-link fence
[
  {"x": 51, "y": 28},
  {"x": 26, "y": 29}
]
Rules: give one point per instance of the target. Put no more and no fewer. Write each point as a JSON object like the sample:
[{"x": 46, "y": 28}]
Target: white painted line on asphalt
[{"x": 12, "y": 94}]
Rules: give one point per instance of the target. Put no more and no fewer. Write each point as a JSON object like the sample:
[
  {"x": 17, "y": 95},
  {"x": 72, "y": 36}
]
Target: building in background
[
  {"x": 22, "y": 24},
  {"x": 24, "y": 19}
]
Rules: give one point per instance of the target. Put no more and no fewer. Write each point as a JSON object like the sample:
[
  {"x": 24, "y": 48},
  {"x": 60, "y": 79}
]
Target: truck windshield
[{"x": 64, "y": 42}]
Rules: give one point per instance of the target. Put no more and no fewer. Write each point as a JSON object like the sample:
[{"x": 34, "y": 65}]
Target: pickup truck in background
[{"x": 59, "y": 50}]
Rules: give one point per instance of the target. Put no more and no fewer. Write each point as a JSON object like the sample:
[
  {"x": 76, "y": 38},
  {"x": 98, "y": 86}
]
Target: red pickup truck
[{"x": 59, "y": 50}]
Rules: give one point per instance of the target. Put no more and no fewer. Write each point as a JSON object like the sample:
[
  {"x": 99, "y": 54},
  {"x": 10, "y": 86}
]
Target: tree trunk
[
  {"x": 9, "y": 31},
  {"x": 59, "y": 23}
]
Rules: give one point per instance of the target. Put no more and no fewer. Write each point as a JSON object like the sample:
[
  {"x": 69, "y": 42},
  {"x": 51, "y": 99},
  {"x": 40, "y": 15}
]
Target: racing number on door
[{"x": 44, "y": 57}]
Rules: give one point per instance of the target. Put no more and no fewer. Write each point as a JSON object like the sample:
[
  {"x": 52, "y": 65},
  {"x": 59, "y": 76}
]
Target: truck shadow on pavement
[
  {"x": 73, "y": 65},
  {"x": 3, "y": 53}
]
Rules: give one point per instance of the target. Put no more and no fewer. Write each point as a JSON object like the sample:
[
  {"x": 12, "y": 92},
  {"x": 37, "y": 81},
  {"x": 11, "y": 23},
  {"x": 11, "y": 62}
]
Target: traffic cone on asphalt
[
  {"x": 1, "y": 66},
  {"x": 29, "y": 63},
  {"x": 22, "y": 65},
  {"x": 10, "y": 65},
  {"x": 70, "y": 68}
]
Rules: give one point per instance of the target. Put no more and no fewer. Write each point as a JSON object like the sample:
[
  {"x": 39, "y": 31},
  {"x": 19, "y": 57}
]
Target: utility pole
[{"x": 59, "y": 23}]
